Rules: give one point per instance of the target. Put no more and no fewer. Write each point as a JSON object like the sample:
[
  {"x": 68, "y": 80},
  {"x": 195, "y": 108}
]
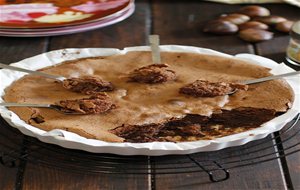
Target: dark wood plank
[
  {"x": 8, "y": 177},
  {"x": 13, "y": 50},
  {"x": 55, "y": 167},
  {"x": 272, "y": 50},
  {"x": 43, "y": 177},
  {"x": 291, "y": 145},
  {"x": 182, "y": 24},
  {"x": 264, "y": 175},
  {"x": 130, "y": 32},
  {"x": 10, "y": 148},
  {"x": 294, "y": 169},
  {"x": 16, "y": 49}
]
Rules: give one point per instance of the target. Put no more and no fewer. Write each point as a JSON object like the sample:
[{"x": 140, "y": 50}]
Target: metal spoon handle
[
  {"x": 31, "y": 72},
  {"x": 154, "y": 44},
  {"x": 25, "y": 105},
  {"x": 270, "y": 78}
]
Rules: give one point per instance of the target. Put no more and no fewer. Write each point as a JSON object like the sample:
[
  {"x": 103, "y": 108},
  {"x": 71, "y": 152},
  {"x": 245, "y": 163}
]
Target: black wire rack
[{"x": 216, "y": 163}]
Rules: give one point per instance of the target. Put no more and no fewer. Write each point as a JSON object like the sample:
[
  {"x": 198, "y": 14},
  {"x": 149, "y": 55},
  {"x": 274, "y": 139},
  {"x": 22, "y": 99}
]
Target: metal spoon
[
  {"x": 59, "y": 78},
  {"x": 51, "y": 106},
  {"x": 259, "y": 80},
  {"x": 155, "y": 51},
  {"x": 269, "y": 78}
]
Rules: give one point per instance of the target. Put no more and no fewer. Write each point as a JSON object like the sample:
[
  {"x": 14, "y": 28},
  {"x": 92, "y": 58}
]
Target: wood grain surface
[
  {"x": 53, "y": 167},
  {"x": 10, "y": 145},
  {"x": 130, "y": 32},
  {"x": 13, "y": 50},
  {"x": 258, "y": 176},
  {"x": 275, "y": 49},
  {"x": 43, "y": 177},
  {"x": 294, "y": 169},
  {"x": 177, "y": 22},
  {"x": 16, "y": 49},
  {"x": 292, "y": 161}
]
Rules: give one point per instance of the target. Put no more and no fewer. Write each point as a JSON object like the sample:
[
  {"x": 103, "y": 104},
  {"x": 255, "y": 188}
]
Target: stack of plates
[{"x": 58, "y": 17}]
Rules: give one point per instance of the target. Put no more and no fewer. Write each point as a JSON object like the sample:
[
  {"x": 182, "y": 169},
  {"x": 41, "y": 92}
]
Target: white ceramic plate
[{"x": 74, "y": 141}]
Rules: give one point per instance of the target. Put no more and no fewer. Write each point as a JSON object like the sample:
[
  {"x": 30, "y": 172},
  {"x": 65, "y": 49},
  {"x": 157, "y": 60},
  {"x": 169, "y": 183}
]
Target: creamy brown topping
[
  {"x": 196, "y": 127},
  {"x": 87, "y": 85},
  {"x": 202, "y": 88},
  {"x": 156, "y": 73},
  {"x": 98, "y": 103}
]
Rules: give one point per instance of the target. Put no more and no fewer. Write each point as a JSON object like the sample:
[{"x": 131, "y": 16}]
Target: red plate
[
  {"x": 57, "y": 13},
  {"x": 17, "y": 32}
]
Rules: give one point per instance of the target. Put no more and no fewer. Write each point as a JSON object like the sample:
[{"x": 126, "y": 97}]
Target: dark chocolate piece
[
  {"x": 202, "y": 88},
  {"x": 87, "y": 85},
  {"x": 98, "y": 103},
  {"x": 195, "y": 127},
  {"x": 156, "y": 73}
]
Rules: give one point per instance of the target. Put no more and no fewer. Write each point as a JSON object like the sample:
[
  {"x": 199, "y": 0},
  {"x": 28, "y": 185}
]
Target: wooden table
[{"x": 177, "y": 22}]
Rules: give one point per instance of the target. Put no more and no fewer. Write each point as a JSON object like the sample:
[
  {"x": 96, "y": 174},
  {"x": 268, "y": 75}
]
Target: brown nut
[
  {"x": 270, "y": 20},
  {"x": 254, "y": 11},
  {"x": 284, "y": 26},
  {"x": 235, "y": 18},
  {"x": 254, "y": 25},
  {"x": 255, "y": 35},
  {"x": 220, "y": 27}
]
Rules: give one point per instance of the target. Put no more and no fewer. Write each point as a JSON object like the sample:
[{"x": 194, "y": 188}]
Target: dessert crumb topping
[
  {"x": 151, "y": 74},
  {"x": 97, "y": 103},
  {"x": 202, "y": 88},
  {"x": 87, "y": 85}
]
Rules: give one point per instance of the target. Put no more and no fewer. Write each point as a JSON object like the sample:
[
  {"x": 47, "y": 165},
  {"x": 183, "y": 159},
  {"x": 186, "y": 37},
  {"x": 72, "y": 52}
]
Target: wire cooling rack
[{"x": 216, "y": 163}]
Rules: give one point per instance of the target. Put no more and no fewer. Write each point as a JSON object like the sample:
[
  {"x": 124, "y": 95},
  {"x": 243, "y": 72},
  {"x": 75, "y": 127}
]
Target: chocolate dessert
[{"x": 161, "y": 102}]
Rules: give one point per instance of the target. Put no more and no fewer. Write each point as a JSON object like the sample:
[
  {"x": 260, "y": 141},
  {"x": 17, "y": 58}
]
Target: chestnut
[
  {"x": 235, "y": 18},
  {"x": 253, "y": 24},
  {"x": 255, "y": 35},
  {"x": 254, "y": 11},
  {"x": 270, "y": 20},
  {"x": 220, "y": 27},
  {"x": 284, "y": 26}
]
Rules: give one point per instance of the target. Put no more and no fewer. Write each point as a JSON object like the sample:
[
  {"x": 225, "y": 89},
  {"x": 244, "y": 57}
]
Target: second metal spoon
[
  {"x": 273, "y": 77},
  {"x": 51, "y": 106},
  {"x": 59, "y": 78},
  {"x": 259, "y": 80}
]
